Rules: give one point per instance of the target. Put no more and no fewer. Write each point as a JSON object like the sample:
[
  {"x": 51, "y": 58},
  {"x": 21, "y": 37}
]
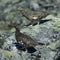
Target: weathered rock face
[{"x": 48, "y": 32}]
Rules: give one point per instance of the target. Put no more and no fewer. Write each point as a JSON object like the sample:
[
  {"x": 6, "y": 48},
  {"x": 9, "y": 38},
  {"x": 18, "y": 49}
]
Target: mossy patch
[
  {"x": 7, "y": 53},
  {"x": 12, "y": 30},
  {"x": 52, "y": 45}
]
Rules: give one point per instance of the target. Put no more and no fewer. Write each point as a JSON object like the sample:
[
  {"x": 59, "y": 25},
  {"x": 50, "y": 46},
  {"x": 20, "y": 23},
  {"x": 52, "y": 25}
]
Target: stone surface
[{"x": 48, "y": 32}]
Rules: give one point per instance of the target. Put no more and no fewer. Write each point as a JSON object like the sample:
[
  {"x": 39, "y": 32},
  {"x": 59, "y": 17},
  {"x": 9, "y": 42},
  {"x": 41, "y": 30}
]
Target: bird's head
[{"x": 15, "y": 25}]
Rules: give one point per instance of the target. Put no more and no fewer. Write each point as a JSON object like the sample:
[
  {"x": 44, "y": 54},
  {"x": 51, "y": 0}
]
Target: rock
[
  {"x": 58, "y": 1},
  {"x": 48, "y": 32},
  {"x": 58, "y": 45},
  {"x": 33, "y": 5}
]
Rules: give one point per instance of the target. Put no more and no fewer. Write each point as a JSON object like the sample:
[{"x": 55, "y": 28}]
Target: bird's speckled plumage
[
  {"x": 23, "y": 38},
  {"x": 33, "y": 16}
]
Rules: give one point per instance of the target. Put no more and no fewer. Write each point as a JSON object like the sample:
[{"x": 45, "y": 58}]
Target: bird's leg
[
  {"x": 28, "y": 24},
  {"x": 33, "y": 23}
]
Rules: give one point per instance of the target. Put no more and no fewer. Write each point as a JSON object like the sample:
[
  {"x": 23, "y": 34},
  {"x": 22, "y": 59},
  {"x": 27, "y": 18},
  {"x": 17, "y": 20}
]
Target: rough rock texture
[{"x": 48, "y": 32}]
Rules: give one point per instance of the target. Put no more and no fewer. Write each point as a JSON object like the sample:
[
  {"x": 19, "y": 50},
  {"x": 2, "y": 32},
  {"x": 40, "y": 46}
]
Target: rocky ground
[{"x": 48, "y": 32}]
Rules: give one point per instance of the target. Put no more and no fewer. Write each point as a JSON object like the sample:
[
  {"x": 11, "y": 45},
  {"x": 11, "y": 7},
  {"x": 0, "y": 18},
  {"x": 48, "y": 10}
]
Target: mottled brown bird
[
  {"x": 23, "y": 38},
  {"x": 33, "y": 16}
]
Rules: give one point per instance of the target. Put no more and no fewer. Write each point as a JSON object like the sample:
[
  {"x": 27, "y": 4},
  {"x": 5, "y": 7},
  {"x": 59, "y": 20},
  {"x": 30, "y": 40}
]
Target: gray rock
[{"x": 33, "y": 5}]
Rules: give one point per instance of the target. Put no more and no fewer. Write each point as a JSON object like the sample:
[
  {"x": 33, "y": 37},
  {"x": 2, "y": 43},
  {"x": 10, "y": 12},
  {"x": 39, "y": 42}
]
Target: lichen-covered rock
[{"x": 48, "y": 32}]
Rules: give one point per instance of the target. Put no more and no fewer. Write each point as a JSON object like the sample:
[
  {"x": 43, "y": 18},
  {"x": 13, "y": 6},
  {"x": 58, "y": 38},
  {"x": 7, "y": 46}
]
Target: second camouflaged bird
[{"x": 28, "y": 42}]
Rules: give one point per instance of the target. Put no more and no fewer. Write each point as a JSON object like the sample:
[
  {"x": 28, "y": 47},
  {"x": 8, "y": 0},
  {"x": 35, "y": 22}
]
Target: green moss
[
  {"x": 7, "y": 53},
  {"x": 49, "y": 17},
  {"x": 52, "y": 45},
  {"x": 12, "y": 30}
]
